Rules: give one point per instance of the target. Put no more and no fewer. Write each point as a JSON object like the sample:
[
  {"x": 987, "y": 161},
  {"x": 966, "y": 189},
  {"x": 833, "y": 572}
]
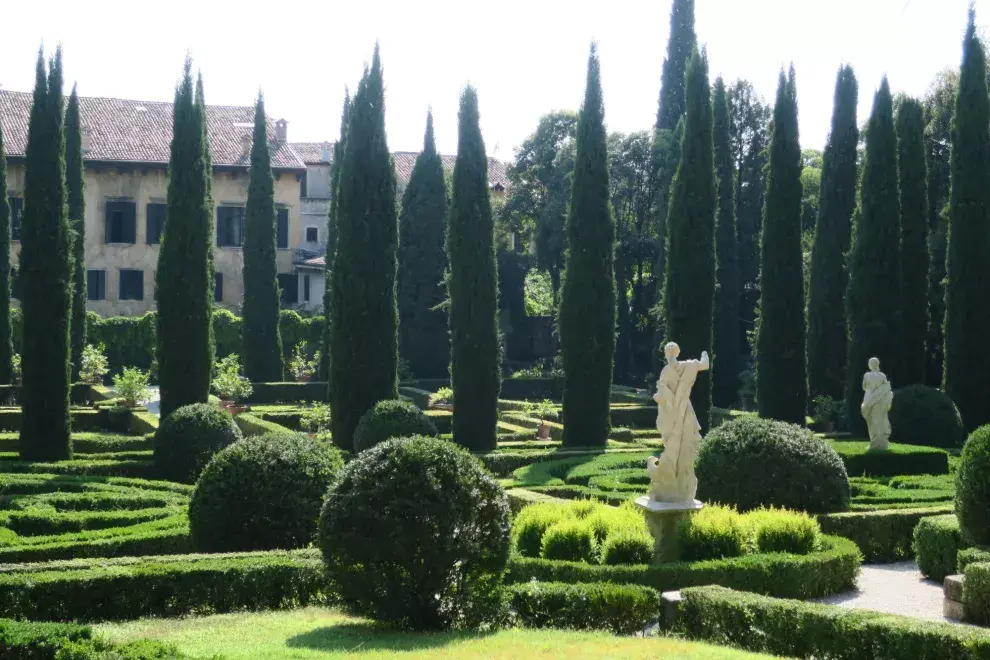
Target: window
[
  {"x": 15, "y": 284},
  {"x": 96, "y": 285},
  {"x": 230, "y": 226},
  {"x": 131, "y": 285},
  {"x": 312, "y": 234},
  {"x": 289, "y": 286},
  {"x": 218, "y": 287},
  {"x": 16, "y": 208},
  {"x": 155, "y": 223},
  {"x": 282, "y": 228},
  {"x": 302, "y": 185},
  {"x": 121, "y": 222},
  {"x": 305, "y": 288}
]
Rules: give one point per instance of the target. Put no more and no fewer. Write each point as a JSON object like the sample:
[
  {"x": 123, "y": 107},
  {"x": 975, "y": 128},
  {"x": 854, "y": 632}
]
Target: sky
[{"x": 525, "y": 58}]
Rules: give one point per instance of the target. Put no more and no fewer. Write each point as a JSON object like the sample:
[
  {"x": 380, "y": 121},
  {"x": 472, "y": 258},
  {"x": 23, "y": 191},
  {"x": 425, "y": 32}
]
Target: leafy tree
[
  {"x": 74, "y": 186},
  {"x": 185, "y": 260},
  {"x": 909, "y": 127},
  {"x": 781, "y": 380},
  {"x": 587, "y": 305},
  {"x": 332, "y": 213},
  {"x": 6, "y": 334},
  {"x": 967, "y": 316},
  {"x": 46, "y": 276},
  {"x": 873, "y": 300},
  {"x": 423, "y": 338},
  {"x": 262, "y": 343},
  {"x": 364, "y": 347},
  {"x": 473, "y": 287},
  {"x": 725, "y": 375},
  {"x": 829, "y": 277}
]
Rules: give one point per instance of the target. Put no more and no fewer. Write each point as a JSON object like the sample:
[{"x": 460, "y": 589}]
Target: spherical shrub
[
  {"x": 628, "y": 547},
  {"x": 715, "y": 532},
  {"x": 923, "y": 415},
  {"x": 393, "y": 418},
  {"x": 532, "y": 522},
  {"x": 777, "y": 530},
  {"x": 973, "y": 488},
  {"x": 415, "y": 533},
  {"x": 187, "y": 439},
  {"x": 752, "y": 462},
  {"x": 570, "y": 540},
  {"x": 262, "y": 493}
]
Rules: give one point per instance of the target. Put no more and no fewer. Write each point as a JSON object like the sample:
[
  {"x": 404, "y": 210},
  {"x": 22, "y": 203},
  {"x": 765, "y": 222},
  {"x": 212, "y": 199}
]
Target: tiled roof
[
  {"x": 314, "y": 262},
  {"x": 118, "y": 130},
  {"x": 314, "y": 153}
]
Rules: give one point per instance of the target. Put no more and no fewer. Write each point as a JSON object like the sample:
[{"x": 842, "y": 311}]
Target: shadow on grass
[{"x": 354, "y": 637}]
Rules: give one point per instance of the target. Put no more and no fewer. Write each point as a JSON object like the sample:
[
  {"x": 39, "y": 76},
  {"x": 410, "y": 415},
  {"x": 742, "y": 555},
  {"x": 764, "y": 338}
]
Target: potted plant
[
  {"x": 230, "y": 386},
  {"x": 545, "y": 411},
  {"x": 315, "y": 420},
  {"x": 826, "y": 411},
  {"x": 131, "y": 387},
  {"x": 15, "y": 365},
  {"x": 442, "y": 399},
  {"x": 94, "y": 365},
  {"x": 302, "y": 368}
]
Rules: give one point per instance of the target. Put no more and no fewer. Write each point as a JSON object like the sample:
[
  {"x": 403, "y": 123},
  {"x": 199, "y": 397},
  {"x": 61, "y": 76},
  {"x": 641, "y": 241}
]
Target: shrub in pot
[
  {"x": 229, "y": 385},
  {"x": 300, "y": 366},
  {"x": 187, "y": 439},
  {"x": 131, "y": 386},
  {"x": 94, "y": 364},
  {"x": 392, "y": 418}
]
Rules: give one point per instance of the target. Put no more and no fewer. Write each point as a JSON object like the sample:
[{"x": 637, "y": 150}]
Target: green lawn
[{"x": 319, "y": 633}]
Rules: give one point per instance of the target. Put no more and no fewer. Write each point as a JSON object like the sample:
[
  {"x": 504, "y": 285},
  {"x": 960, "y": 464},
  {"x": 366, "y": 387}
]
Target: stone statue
[
  {"x": 672, "y": 475},
  {"x": 877, "y": 400}
]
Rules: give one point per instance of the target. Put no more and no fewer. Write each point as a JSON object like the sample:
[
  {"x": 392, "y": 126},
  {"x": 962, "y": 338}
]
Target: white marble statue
[
  {"x": 672, "y": 475},
  {"x": 877, "y": 400}
]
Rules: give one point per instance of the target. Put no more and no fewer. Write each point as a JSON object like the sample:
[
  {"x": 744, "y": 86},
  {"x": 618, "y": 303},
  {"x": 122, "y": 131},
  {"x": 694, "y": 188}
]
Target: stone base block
[
  {"x": 663, "y": 518},
  {"x": 953, "y": 606},
  {"x": 670, "y": 606}
]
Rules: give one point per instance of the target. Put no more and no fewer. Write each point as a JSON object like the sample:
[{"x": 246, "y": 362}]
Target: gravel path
[{"x": 896, "y": 589}]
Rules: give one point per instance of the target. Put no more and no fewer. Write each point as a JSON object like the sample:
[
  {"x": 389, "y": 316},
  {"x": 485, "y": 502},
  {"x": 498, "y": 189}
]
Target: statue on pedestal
[{"x": 877, "y": 400}]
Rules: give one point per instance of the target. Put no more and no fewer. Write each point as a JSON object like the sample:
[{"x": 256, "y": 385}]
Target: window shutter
[
  {"x": 282, "y": 228},
  {"x": 218, "y": 287},
  {"x": 130, "y": 222}
]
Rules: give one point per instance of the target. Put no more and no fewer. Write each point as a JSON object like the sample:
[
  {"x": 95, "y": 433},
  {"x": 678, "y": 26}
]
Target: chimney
[{"x": 282, "y": 131}]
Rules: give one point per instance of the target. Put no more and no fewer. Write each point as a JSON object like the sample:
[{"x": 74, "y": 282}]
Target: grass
[{"x": 319, "y": 633}]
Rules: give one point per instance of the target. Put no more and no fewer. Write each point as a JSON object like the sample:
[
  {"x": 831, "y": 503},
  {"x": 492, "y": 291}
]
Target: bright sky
[{"x": 526, "y": 58}]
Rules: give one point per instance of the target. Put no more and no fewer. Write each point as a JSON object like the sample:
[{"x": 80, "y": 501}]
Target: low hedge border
[
  {"x": 252, "y": 425},
  {"x": 898, "y": 460},
  {"x": 143, "y": 422},
  {"x": 976, "y": 593},
  {"x": 882, "y": 536},
  {"x": 623, "y": 609},
  {"x": 20, "y": 640},
  {"x": 419, "y": 397},
  {"x": 969, "y": 556},
  {"x": 830, "y": 570},
  {"x": 794, "y": 629},
  {"x": 130, "y": 468},
  {"x": 132, "y": 588},
  {"x": 442, "y": 419},
  {"x": 520, "y": 498},
  {"x": 288, "y": 392},
  {"x": 937, "y": 542}
]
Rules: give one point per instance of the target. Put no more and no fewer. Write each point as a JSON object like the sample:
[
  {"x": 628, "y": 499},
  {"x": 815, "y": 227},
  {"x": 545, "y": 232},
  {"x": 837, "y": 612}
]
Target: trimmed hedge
[
  {"x": 636, "y": 417},
  {"x": 132, "y": 588},
  {"x": 882, "y": 536},
  {"x": 533, "y": 389},
  {"x": 288, "y": 392},
  {"x": 187, "y": 439},
  {"x": 38, "y": 641},
  {"x": 976, "y": 593},
  {"x": 968, "y": 556},
  {"x": 804, "y": 630},
  {"x": 830, "y": 570},
  {"x": 621, "y": 609},
  {"x": 391, "y": 418},
  {"x": 921, "y": 415},
  {"x": 973, "y": 487},
  {"x": 898, "y": 460},
  {"x": 937, "y": 540},
  {"x": 251, "y": 425}
]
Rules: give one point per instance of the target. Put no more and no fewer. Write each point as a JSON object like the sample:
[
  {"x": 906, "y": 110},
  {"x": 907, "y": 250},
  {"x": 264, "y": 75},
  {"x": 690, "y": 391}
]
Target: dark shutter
[
  {"x": 282, "y": 228},
  {"x": 222, "y": 220},
  {"x": 16, "y": 207},
  {"x": 96, "y": 284},
  {"x": 305, "y": 288},
  {"x": 155, "y": 223},
  {"x": 131, "y": 284},
  {"x": 218, "y": 287},
  {"x": 290, "y": 288},
  {"x": 130, "y": 221}
]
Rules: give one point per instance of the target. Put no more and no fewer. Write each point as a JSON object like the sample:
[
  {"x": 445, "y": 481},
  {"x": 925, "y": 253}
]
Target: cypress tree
[
  {"x": 473, "y": 288},
  {"x": 873, "y": 301},
  {"x": 185, "y": 258},
  {"x": 829, "y": 277},
  {"x": 6, "y": 338},
  {"x": 587, "y": 302},
  {"x": 46, "y": 276},
  {"x": 690, "y": 280},
  {"x": 423, "y": 339},
  {"x": 262, "y": 343},
  {"x": 364, "y": 343},
  {"x": 725, "y": 374},
  {"x": 967, "y": 315},
  {"x": 781, "y": 381},
  {"x": 912, "y": 176},
  {"x": 77, "y": 220},
  {"x": 680, "y": 45},
  {"x": 335, "y": 167}
]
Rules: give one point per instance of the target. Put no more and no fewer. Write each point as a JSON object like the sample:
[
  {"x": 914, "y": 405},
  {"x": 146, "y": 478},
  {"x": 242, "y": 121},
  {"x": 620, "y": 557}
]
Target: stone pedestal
[
  {"x": 662, "y": 518},
  {"x": 953, "y": 606}
]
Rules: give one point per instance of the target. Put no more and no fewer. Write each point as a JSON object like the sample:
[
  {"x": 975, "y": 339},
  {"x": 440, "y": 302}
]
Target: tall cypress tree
[
  {"x": 680, "y": 45},
  {"x": 873, "y": 302},
  {"x": 725, "y": 374},
  {"x": 587, "y": 302},
  {"x": 262, "y": 342},
  {"x": 46, "y": 276},
  {"x": 6, "y": 338},
  {"x": 473, "y": 287},
  {"x": 335, "y": 168},
  {"x": 967, "y": 315},
  {"x": 77, "y": 220},
  {"x": 185, "y": 259},
  {"x": 781, "y": 380},
  {"x": 912, "y": 177},
  {"x": 690, "y": 280},
  {"x": 423, "y": 337},
  {"x": 829, "y": 277},
  {"x": 364, "y": 342}
]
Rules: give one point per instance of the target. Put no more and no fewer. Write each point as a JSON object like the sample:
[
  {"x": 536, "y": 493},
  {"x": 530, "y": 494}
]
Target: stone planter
[
  {"x": 303, "y": 378},
  {"x": 236, "y": 408},
  {"x": 544, "y": 431},
  {"x": 449, "y": 407}
]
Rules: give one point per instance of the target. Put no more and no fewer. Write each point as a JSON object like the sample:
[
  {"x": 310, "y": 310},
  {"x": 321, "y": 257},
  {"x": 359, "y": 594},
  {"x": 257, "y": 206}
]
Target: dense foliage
[
  {"x": 77, "y": 219},
  {"x": 333, "y": 213},
  {"x": 188, "y": 438},
  {"x": 445, "y": 525},
  {"x": 973, "y": 488},
  {"x": 922, "y": 415},
  {"x": 392, "y": 418},
  {"x": 936, "y": 544}
]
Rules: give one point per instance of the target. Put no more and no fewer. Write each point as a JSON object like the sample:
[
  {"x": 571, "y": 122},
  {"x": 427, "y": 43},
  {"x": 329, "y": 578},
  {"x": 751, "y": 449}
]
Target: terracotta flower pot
[
  {"x": 303, "y": 378},
  {"x": 544, "y": 431},
  {"x": 236, "y": 408}
]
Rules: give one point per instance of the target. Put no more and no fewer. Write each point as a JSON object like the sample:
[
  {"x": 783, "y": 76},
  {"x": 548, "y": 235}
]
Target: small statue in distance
[{"x": 877, "y": 400}]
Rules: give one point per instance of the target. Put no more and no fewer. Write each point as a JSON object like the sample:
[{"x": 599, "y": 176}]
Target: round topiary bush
[
  {"x": 262, "y": 493},
  {"x": 415, "y": 533},
  {"x": 752, "y": 462},
  {"x": 392, "y": 418},
  {"x": 973, "y": 488},
  {"x": 187, "y": 439},
  {"x": 922, "y": 415}
]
